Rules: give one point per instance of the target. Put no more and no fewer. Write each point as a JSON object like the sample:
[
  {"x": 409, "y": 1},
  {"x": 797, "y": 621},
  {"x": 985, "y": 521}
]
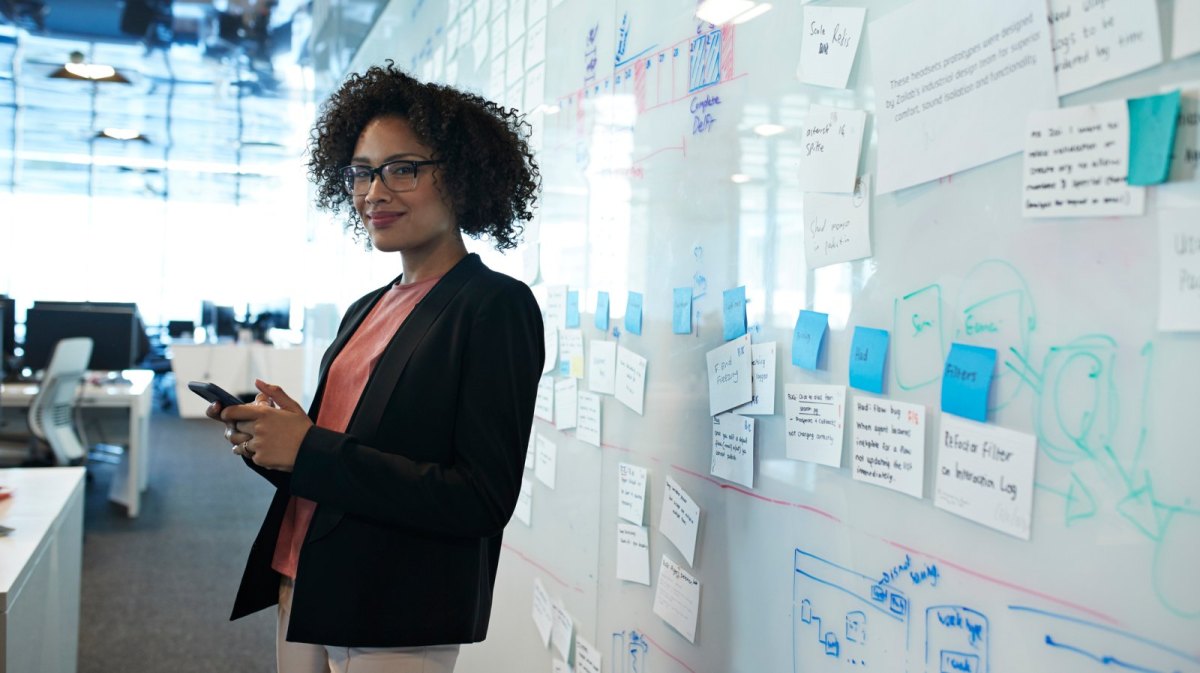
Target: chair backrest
[{"x": 51, "y": 414}]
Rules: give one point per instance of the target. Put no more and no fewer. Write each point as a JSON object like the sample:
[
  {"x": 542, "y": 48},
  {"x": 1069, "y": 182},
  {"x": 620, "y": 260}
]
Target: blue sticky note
[
  {"x": 602, "y": 311},
  {"x": 733, "y": 306},
  {"x": 573, "y": 308},
  {"x": 868, "y": 355},
  {"x": 1152, "y": 122},
  {"x": 966, "y": 380},
  {"x": 633, "y": 313},
  {"x": 681, "y": 311},
  {"x": 807, "y": 338}
]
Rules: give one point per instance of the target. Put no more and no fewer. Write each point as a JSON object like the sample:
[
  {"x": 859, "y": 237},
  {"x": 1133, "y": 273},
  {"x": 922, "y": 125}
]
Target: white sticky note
[
  {"x": 547, "y": 459},
  {"x": 762, "y": 381},
  {"x": 631, "y": 379},
  {"x": 499, "y": 40},
  {"x": 550, "y": 341},
  {"x": 587, "y": 428},
  {"x": 1076, "y": 160},
  {"x": 587, "y": 656},
  {"x": 565, "y": 403},
  {"x": 1185, "y": 158},
  {"x": 889, "y": 444},
  {"x": 524, "y": 510},
  {"x": 680, "y": 520},
  {"x": 535, "y": 45},
  {"x": 985, "y": 474},
  {"x": 531, "y": 450},
  {"x": 543, "y": 404},
  {"x": 602, "y": 366},
  {"x": 516, "y": 20},
  {"x": 535, "y": 88},
  {"x": 1185, "y": 33},
  {"x": 1096, "y": 42},
  {"x": 633, "y": 553},
  {"x": 733, "y": 449},
  {"x": 570, "y": 350},
  {"x": 631, "y": 493},
  {"x": 837, "y": 227},
  {"x": 1179, "y": 270},
  {"x": 563, "y": 630},
  {"x": 922, "y": 101},
  {"x": 814, "y": 422},
  {"x": 555, "y": 310},
  {"x": 543, "y": 614},
  {"x": 730, "y": 375},
  {"x": 677, "y": 598},
  {"x": 559, "y": 666},
  {"x": 479, "y": 49},
  {"x": 829, "y": 40},
  {"x": 829, "y": 148}
]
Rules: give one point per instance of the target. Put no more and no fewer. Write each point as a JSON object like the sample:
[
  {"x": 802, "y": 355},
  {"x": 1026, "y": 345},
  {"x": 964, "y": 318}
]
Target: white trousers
[{"x": 307, "y": 658}]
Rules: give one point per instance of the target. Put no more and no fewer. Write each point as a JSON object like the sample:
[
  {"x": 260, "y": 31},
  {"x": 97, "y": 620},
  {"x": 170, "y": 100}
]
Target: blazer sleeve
[{"x": 476, "y": 494}]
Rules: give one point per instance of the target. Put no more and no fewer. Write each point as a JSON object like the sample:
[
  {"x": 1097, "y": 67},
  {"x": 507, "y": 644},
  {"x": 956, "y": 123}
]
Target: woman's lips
[{"x": 380, "y": 220}]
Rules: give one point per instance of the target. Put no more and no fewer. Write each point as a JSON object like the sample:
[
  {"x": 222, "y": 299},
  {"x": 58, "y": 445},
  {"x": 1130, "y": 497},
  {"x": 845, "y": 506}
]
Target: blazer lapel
[{"x": 349, "y": 327}]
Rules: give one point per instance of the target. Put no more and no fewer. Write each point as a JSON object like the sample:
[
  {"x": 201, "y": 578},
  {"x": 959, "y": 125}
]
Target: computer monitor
[
  {"x": 142, "y": 343},
  {"x": 114, "y": 335},
  {"x": 271, "y": 314},
  {"x": 225, "y": 322},
  {"x": 8, "y": 321},
  {"x": 180, "y": 329}
]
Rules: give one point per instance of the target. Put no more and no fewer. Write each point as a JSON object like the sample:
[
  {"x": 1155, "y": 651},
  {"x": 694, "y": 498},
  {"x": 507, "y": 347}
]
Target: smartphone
[{"x": 214, "y": 393}]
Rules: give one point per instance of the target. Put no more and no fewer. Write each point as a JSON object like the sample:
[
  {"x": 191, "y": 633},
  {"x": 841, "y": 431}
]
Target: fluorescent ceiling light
[
  {"x": 754, "y": 12},
  {"x": 740, "y": 178},
  {"x": 75, "y": 68},
  {"x": 122, "y": 134},
  {"x": 718, "y": 12},
  {"x": 768, "y": 130}
]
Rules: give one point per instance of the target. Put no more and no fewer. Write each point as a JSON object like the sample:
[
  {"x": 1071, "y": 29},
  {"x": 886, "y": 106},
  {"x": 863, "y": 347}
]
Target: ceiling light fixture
[
  {"x": 719, "y": 12},
  {"x": 768, "y": 130},
  {"x": 75, "y": 68},
  {"x": 752, "y": 13},
  {"x": 122, "y": 134}
]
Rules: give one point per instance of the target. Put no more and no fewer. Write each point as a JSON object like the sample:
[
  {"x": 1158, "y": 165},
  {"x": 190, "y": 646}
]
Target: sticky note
[
  {"x": 733, "y": 307},
  {"x": 573, "y": 308},
  {"x": 1151, "y": 137},
  {"x": 807, "y": 338},
  {"x": 602, "y": 311},
  {"x": 868, "y": 355},
  {"x": 681, "y": 311},
  {"x": 633, "y": 313},
  {"x": 966, "y": 380}
]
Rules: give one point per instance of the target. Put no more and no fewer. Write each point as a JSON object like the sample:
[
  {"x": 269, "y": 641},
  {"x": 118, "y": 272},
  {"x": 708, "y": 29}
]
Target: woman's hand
[
  {"x": 270, "y": 431},
  {"x": 233, "y": 434}
]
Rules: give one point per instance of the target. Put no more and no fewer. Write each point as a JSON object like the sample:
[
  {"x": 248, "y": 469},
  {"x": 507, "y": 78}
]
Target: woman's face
[{"x": 404, "y": 221}]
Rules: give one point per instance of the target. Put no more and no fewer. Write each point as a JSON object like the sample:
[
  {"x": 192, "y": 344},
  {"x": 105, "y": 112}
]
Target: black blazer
[{"x": 413, "y": 498}]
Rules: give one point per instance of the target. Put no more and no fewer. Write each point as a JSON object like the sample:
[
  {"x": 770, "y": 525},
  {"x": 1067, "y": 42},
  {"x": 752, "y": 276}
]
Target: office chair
[{"x": 52, "y": 411}]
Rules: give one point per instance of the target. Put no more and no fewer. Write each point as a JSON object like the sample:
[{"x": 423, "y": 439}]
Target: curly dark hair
[{"x": 488, "y": 176}]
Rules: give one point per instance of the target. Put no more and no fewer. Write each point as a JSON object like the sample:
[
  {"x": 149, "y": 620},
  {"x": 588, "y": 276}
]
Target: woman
[{"x": 383, "y": 538}]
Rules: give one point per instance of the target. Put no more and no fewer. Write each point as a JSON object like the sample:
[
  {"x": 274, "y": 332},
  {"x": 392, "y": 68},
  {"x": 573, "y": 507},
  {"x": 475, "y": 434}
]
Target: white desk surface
[
  {"x": 98, "y": 392},
  {"x": 39, "y": 497}
]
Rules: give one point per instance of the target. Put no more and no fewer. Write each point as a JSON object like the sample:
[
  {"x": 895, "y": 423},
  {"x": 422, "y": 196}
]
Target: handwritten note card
[
  {"x": 868, "y": 356},
  {"x": 680, "y": 520},
  {"x": 1152, "y": 123},
  {"x": 681, "y": 310},
  {"x": 602, "y": 366},
  {"x": 1185, "y": 159},
  {"x": 587, "y": 656},
  {"x": 985, "y": 474},
  {"x": 830, "y": 37},
  {"x": 562, "y": 630},
  {"x": 677, "y": 598},
  {"x": 587, "y": 420},
  {"x": 543, "y": 405},
  {"x": 631, "y": 493},
  {"x": 633, "y": 553},
  {"x": 733, "y": 449},
  {"x": 889, "y": 444},
  {"x": 601, "y": 320},
  {"x": 543, "y": 613},
  {"x": 556, "y": 306},
  {"x": 967, "y": 379},
  {"x": 547, "y": 457},
  {"x": 815, "y": 422},
  {"x": 524, "y": 510},
  {"x": 837, "y": 227},
  {"x": 633, "y": 313},
  {"x": 729, "y": 375},
  {"x": 566, "y": 392},
  {"x": 807, "y": 338},
  {"x": 1076, "y": 160},
  {"x": 1179, "y": 270},
  {"x": 831, "y": 142},
  {"x": 570, "y": 349},
  {"x": 531, "y": 450},
  {"x": 733, "y": 312},
  {"x": 1095, "y": 41},
  {"x": 550, "y": 340},
  {"x": 762, "y": 384},
  {"x": 631, "y": 379}
]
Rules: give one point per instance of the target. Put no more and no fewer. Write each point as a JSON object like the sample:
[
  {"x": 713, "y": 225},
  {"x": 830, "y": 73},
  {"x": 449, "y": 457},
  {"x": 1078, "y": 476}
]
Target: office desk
[
  {"x": 234, "y": 367},
  {"x": 135, "y": 397},
  {"x": 40, "y": 570}
]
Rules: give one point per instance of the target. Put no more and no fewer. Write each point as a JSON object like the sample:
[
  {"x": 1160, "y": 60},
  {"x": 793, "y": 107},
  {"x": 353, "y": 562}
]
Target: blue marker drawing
[
  {"x": 956, "y": 640},
  {"x": 868, "y": 356},
  {"x": 681, "y": 311},
  {"x": 733, "y": 311},
  {"x": 573, "y": 308},
  {"x": 630, "y": 652},
  {"x": 633, "y": 313},
  {"x": 966, "y": 381},
  {"x": 705, "y": 61},
  {"x": 808, "y": 337},
  {"x": 602, "y": 311},
  {"x": 1079, "y": 644}
]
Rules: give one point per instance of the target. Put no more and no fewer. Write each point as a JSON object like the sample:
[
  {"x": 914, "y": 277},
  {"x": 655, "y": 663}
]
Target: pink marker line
[
  {"x": 665, "y": 651},
  {"x": 738, "y": 489},
  {"x": 528, "y": 559}
]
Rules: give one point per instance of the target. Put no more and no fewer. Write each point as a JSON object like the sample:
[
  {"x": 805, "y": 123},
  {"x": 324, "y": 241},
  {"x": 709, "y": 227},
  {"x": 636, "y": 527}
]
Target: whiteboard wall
[{"x": 809, "y": 569}]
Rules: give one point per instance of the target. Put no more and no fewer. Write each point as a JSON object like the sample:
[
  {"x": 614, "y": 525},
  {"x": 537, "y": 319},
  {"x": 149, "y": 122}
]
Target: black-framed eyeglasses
[{"x": 399, "y": 176}]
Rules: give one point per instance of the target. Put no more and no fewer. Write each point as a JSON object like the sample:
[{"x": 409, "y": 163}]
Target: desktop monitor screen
[
  {"x": 142, "y": 343},
  {"x": 114, "y": 335},
  {"x": 8, "y": 311}
]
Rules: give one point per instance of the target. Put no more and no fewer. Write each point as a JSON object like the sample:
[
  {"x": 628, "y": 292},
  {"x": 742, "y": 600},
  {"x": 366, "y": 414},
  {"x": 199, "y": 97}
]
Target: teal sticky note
[
  {"x": 733, "y": 307},
  {"x": 868, "y": 355},
  {"x": 1152, "y": 122},
  {"x": 681, "y": 310},
  {"x": 966, "y": 380},
  {"x": 573, "y": 308},
  {"x": 633, "y": 313},
  {"x": 602, "y": 311},
  {"x": 807, "y": 338}
]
